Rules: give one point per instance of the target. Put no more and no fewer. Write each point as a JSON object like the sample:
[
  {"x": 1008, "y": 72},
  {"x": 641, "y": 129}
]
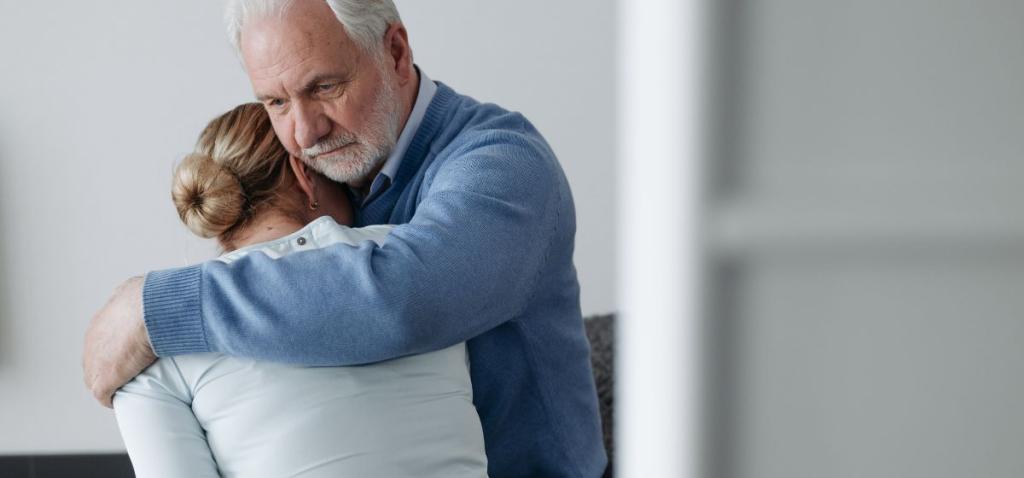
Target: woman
[{"x": 214, "y": 415}]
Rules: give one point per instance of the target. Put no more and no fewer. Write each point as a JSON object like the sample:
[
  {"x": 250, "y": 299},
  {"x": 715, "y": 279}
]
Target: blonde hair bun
[
  {"x": 238, "y": 170},
  {"x": 209, "y": 197}
]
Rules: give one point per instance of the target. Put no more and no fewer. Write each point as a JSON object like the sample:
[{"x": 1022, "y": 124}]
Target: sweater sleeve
[{"x": 466, "y": 262}]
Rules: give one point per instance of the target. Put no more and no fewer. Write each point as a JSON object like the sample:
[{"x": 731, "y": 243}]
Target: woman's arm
[{"x": 161, "y": 433}]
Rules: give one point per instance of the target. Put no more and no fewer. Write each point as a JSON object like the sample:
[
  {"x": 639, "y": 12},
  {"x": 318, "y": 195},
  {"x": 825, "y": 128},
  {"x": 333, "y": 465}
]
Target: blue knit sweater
[{"x": 482, "y": 253}]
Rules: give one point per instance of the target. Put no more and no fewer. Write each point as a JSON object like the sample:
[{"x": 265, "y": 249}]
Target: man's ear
[
  {"x": 396, "y": 43},
  {"x": 304, "y": 175}
]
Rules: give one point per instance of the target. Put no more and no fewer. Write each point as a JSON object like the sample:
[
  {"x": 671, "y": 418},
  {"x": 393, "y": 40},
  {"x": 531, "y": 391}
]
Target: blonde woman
[{"x": 208, "y": 415}]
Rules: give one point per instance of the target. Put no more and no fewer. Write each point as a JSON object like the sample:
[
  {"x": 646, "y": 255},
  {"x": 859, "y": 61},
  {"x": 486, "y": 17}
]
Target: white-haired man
[{"x": 482, "y": 251}]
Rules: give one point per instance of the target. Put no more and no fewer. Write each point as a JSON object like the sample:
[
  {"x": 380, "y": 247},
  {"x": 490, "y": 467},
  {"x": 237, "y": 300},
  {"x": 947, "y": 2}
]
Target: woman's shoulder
[
  {"x": 319, "y": 233},
  {"x": 324, "y": 231}
]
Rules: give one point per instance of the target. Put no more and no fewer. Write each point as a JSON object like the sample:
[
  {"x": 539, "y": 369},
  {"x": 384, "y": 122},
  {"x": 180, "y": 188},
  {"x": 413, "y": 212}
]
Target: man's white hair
[{"x": 365, "y": 21}]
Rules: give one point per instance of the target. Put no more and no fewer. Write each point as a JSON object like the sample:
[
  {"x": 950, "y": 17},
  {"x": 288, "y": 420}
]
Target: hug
[{"x": 397, "y": 295}]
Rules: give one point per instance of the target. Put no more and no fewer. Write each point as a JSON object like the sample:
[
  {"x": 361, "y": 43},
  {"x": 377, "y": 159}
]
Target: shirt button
[{"x": 301, "y": 241}]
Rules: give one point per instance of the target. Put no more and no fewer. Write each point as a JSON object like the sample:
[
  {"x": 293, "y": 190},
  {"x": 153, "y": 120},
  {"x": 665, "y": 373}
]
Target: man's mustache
[{"x": 327, "y": 145}]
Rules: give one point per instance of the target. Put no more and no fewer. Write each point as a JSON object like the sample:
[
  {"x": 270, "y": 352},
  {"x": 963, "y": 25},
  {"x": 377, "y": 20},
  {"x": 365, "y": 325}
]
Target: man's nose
[{"x": 311, "y": 125}]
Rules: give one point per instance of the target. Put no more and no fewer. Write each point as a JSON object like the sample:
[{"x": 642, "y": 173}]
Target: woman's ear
[{"x": 304, "y": 175}]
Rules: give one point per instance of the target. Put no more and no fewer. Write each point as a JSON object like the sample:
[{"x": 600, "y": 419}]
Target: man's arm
[{"x": 466, "y": 262}]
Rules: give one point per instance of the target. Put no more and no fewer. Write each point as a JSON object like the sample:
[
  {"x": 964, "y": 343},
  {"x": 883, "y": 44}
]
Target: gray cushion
[{"x": 601, "y": 333}]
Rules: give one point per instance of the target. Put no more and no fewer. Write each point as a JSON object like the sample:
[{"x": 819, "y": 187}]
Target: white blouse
[{"x": 209, "y": 415}]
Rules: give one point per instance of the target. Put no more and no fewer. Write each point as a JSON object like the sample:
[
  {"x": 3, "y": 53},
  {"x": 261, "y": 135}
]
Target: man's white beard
[{"x": 361, "y": 155}]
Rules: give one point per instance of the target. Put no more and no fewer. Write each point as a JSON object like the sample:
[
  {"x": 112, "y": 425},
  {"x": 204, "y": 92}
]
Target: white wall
[{"x": 99, "y": 99}]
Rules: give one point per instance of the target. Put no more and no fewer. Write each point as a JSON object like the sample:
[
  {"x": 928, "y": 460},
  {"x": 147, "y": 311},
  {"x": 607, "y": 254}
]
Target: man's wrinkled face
[{"x": 331, "y": 103}]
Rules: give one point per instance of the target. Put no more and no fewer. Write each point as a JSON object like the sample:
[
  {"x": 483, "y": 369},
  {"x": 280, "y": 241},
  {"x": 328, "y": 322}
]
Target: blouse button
[{"x": 301, "y": 241}]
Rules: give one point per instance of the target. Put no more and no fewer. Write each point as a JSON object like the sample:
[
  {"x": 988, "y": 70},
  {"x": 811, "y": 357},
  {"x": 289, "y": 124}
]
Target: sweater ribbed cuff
[{"x": 173, "y": 312}]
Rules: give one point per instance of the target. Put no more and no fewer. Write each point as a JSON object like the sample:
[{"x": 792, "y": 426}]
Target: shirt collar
[{"x": 425, "y": 94}]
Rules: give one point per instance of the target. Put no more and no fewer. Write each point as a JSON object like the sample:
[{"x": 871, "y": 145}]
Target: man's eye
[
  {"x": 276, "y": 103},
  {"x": 325, "y": 87}
]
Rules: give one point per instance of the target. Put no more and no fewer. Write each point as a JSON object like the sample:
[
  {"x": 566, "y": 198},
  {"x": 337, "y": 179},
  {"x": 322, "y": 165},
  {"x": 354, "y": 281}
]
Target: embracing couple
[{"x": 396, "y": 297}]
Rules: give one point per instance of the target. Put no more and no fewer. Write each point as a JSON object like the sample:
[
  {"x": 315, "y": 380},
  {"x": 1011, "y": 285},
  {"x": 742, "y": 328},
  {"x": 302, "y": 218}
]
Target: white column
[{"x": 658, "y": 168}]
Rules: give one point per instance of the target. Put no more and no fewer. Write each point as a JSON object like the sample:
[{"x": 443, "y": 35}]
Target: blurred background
[
  {"x": 805, "y": 212},
  {"x": 845, "y": 270}
]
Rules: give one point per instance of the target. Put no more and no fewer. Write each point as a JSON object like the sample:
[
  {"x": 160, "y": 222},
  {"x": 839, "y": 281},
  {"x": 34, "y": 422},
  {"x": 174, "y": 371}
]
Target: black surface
[
  {"x": 14, "y": 467},
  {"x": 66, "y": 466}
]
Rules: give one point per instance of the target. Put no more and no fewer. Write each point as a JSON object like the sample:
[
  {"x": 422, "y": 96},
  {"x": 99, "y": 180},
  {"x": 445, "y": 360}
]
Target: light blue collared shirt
[{"x": 386, "y": 176}]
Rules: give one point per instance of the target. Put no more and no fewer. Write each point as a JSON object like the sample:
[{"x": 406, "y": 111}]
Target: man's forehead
[
  {"x": 272, "y": 60},
  {"x": 290, "y": 45}
]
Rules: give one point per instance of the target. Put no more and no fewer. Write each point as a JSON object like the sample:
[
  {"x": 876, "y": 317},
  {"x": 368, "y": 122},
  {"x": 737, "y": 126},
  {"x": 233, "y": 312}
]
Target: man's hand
[{"x": 116, "y": 344}]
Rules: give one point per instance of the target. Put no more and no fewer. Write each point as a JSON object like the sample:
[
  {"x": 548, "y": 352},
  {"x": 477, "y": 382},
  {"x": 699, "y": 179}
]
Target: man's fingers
[
  {"x": 88, "y": 373},
  {"x": 116, "y": 347},
  {"x": 103, "y": 394},
  {"x": 106, "y": 398},
  {"x": 100, "y": 386}
]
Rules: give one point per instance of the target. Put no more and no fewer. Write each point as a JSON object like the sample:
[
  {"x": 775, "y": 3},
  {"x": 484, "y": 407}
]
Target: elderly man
[{"x": 482, "y": 251}]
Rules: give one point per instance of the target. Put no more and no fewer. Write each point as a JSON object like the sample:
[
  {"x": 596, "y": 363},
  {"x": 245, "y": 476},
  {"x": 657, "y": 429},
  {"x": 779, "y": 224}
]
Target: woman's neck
[{"x": 268, "y": 226}]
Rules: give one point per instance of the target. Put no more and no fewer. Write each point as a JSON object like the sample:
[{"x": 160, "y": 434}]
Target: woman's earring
[{"x": 314, "y": 206}]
